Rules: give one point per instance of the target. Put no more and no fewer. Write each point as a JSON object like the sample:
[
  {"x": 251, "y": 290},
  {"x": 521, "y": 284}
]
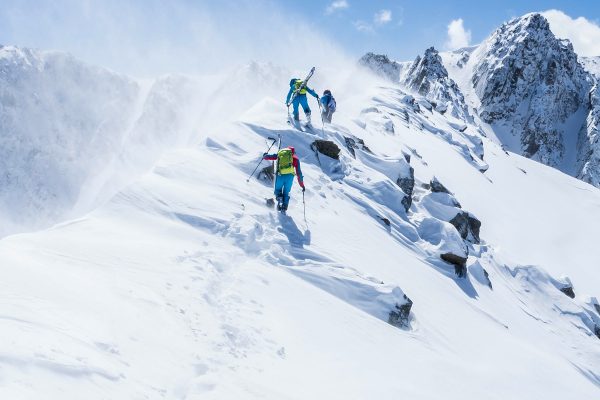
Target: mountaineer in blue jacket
[
  {"x": 300, "y": 99},
  {"x": 328, "y": 106}
]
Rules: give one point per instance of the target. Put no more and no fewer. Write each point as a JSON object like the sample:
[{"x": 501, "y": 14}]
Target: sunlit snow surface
[{"x": 185, "y": 286}]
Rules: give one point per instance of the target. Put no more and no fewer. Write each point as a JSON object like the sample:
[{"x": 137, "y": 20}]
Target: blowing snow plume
[{"x": 73, "y": 134}]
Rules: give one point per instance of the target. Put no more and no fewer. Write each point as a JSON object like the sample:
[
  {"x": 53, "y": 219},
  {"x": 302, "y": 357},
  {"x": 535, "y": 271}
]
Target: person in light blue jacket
[{"x": 300, "y": 99}]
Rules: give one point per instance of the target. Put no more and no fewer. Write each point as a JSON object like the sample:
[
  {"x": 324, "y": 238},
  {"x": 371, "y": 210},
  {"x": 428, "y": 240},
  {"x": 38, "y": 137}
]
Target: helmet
[
  {"x": 327, "y": 92},
  {"x": 292, "y": 149}
]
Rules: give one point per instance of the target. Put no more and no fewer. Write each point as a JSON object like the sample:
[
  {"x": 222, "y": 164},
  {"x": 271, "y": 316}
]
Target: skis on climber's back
[{"x": 302, "y": 86}]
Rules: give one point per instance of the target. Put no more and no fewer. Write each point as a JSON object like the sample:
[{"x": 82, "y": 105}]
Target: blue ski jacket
[
  {"x": 293, "y": 87},
  {"x": 328, "y": 102}
]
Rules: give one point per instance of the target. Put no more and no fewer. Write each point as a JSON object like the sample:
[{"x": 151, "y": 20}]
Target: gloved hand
[
  {"x": 265, "y": 154},
  {"x": 303, "y": 189},
  {"x": 318, "y": 98}
]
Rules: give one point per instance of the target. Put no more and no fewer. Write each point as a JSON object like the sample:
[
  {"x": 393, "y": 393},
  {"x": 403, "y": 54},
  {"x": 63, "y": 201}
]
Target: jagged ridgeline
[{"x": 525, "y": 86}]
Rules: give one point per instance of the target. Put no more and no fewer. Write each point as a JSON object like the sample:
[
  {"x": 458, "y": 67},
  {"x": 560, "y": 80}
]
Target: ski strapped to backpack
[{"x": 302, "y": 86}]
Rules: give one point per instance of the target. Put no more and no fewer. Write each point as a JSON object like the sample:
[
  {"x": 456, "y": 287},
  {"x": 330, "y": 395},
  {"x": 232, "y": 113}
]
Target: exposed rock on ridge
[{"x": 428, "y": 76}]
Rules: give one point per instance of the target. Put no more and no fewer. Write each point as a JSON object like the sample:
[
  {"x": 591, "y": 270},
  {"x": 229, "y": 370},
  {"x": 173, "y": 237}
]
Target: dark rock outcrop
[
  {"x": 407, "y": 184},
  {"x": 326, "y": 147},
  {"x": 597, "y": 331},
  {"x": 568, "y": 290},
  {"x": 460, "y": 263},
  {"x": 385, "y": 221},
  {"x": 468, "y": 226},
  {"x": 400, "y": 315},
  {"x": 487, "y": 276},
  {"x": 350, "y": 145},
  {"x": 267, "y": 173},
  {"x": 437, "y": 187},
  {"x": 353, "y": 144}
]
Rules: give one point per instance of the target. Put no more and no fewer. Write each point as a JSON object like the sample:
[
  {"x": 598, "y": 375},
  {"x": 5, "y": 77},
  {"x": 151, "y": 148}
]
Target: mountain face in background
[
  {"x": 529, "y": 89},
  {"x": 531, "y": 85},
  {"x": 382, "y": 66}
]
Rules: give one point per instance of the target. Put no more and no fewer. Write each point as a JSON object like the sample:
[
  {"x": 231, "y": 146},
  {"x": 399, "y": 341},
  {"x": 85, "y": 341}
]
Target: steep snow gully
[{"x": 432, "y": 263}]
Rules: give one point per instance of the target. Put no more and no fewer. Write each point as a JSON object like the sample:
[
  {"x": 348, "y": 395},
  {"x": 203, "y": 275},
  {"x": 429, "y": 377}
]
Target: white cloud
[
  {"x": 382, "y": 17},
  {"x": 458, "y": 36},
  {"x": 364, "y": 27},
  {"x": 336, "y": 6},
  {"x": 583, "y": 33}
]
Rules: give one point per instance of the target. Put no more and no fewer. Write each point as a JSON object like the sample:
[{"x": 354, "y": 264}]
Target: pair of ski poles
[
  {"x": 261, "y": 159},
  {"x": 322, "y": 121}
]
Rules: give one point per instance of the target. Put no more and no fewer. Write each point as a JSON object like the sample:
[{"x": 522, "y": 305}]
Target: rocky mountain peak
[
  {"x": 532, "y": 82},
  {"x": 429, "y": 67},
  {"x": 428, "y": 76}
]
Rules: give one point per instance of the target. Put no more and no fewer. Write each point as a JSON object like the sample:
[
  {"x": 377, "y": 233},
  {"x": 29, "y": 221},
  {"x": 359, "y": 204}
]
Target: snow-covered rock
[
  {"x": 467, "y": 225},
  {"x": 381, "y": 65}
]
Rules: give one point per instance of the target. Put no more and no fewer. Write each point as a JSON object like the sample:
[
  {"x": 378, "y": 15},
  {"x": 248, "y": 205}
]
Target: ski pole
[
  {"x": 322, "y": 122},
  {"x": 257, "y": 165},
  {"x": 304, "y": 205}
]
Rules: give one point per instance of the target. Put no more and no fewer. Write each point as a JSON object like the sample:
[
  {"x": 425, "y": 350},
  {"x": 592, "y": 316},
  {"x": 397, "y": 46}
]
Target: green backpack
[{"x": 285, "y": 162}]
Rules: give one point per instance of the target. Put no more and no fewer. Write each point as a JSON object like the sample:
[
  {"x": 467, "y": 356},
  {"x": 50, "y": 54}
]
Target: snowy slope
[{"x": 184, "y": 285}]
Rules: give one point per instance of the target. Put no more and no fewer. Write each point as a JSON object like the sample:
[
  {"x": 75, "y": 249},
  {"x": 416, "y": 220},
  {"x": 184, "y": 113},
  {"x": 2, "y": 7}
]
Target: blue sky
[
  {"x": 416, "y": 24},
  {"x": 149, "y": 37}
]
